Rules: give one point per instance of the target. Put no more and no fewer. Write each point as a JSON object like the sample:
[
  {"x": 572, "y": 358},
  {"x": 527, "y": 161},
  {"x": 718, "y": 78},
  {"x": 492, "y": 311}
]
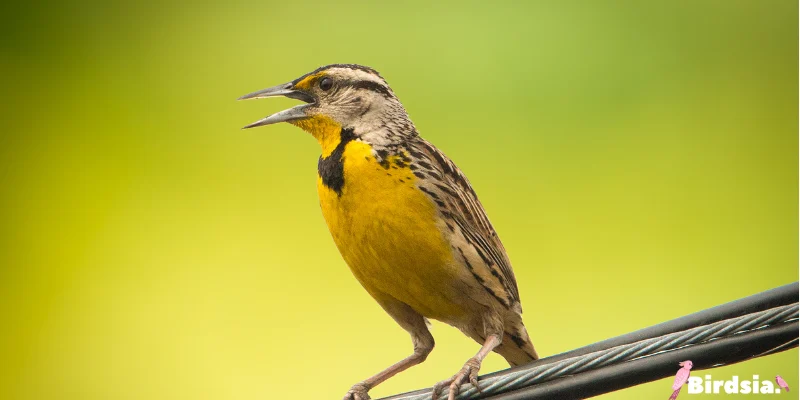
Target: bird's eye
[{"x": 326, "y": 84}]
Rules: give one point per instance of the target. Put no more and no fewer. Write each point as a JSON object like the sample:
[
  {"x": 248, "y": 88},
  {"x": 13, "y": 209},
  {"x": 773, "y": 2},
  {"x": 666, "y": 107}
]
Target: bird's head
[
  {"x": 340, "y": 96},
  {"x": 686, "y": 364}
]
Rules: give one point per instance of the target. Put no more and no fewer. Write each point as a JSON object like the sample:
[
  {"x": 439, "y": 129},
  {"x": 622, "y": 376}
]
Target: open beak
[{"x": 292, "y": 114}]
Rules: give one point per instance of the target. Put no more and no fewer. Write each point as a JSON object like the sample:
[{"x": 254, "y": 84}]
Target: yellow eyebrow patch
[{"x": 308, "y": 81}]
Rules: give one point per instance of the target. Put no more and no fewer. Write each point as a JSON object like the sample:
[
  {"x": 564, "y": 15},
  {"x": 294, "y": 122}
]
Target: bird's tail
[
  {"x": 517, "y": 347},
  {"x": 675, "y": 394}
]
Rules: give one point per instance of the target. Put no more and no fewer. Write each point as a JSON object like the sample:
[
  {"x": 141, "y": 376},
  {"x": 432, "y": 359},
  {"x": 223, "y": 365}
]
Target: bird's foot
[
  {"x": 468, "y": 373},
  {"x": 357, "y": 392}
]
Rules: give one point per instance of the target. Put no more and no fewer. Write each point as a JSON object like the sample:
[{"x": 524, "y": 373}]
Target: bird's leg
[
  {"x": 359, "y": 390},
  {"x": 416, "y": 325},
  {"x": 468, "y": 373}
]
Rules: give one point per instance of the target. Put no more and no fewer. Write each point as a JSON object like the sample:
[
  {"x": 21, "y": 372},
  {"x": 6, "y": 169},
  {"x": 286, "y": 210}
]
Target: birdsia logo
[{"x": 697, "y": 385}]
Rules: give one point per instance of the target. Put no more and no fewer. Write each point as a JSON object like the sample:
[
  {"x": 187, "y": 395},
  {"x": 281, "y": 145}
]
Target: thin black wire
[
  {"x": 518, "y": 379},
  {"x": 760, "y": 311},
  {"x": 728, "y": 350}
]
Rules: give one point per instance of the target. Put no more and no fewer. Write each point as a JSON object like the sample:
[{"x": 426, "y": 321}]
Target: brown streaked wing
[{"x": 465, "y": 208}]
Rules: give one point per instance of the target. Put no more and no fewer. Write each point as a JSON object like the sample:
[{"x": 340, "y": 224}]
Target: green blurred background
[{"x": 639, "y": 159}]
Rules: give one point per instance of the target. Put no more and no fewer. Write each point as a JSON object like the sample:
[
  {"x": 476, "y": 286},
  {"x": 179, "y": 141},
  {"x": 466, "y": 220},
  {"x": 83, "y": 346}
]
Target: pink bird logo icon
[
  {"x": 782, "y": 383},
  {"x": 680, "y": 378}
]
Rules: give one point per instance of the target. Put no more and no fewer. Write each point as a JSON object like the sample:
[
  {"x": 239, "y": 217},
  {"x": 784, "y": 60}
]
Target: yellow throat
[{"x": 386, "y": 229}]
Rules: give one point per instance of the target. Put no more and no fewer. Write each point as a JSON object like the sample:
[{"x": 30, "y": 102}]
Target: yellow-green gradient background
[{"x": 639, "y": 160}]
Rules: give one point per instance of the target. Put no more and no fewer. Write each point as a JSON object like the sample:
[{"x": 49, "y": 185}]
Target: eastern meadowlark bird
[{"x": 406, "y": 220}]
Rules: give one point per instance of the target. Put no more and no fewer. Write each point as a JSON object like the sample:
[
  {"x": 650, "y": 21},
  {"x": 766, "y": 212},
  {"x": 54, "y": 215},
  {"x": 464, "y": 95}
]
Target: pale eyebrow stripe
[{"x": 369, "y": 85}]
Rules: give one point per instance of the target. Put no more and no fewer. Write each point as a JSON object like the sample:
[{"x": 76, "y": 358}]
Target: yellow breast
[{"x": 388, "y": 232}]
